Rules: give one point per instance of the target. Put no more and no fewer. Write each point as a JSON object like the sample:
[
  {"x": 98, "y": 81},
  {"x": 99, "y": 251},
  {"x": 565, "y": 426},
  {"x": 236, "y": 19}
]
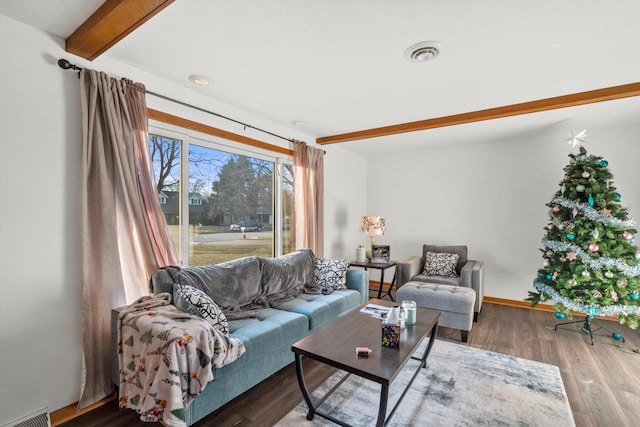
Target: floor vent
[{"x": 37, "y": 419}]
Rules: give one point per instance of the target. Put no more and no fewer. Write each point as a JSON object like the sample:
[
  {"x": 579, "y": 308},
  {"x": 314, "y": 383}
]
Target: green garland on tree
[{"x": 590, "y": 265}]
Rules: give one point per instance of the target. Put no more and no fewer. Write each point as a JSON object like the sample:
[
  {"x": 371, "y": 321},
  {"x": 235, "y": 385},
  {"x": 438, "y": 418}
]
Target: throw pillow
[
  {"x": 195, "y": 301},
  {"x": 331, "y": 273},
  {"x": 440, "y": 264}
]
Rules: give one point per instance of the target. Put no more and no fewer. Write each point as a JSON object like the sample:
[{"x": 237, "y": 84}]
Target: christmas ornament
[
  {"x": 594, "y": 247},
  {"x": 571, "y": 236},
  {"x": 622, "y": 283},
  {"x": 571, "y": 256},
  {"x": 614, "y": 295},
  {"x": 572, "y": 282},
  {"x": 556, "y": 209},
  {"x": 550, "y": 227},
  {"x": 559, "y": 315},
  {"x": 574, "y": 212},
  {"x": 549, "y": 277},
  {"x": 603, "y": 163},
  {"x": 618, "y": 197},
  {"x": 580, "y": 188},
  {"x": 634, "y": 296},
  {"x": 626, "y": 235},
  {"x": 586, "y": 174},
  {"x": 605, "y": 212},
  {"x": 545, "y": 264},
  {"x": 595, "y": 233},
  {"x": 591, "y": 200},
  {"x": 586, "y": 273},
  {"x": 616, "y": 336},
  {"x": 608, "y": 274}
]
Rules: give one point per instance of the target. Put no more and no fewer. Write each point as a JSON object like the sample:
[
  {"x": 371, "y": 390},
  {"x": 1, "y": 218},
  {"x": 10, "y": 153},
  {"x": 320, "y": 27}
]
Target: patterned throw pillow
[
  {"x": 440, "y": 264},
  {"x": 331, "y": 273},
  {"x": 195, "y": 301}
]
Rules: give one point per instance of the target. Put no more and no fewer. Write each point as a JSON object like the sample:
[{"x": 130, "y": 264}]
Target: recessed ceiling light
[
  {"x": 422, "y": 52},
  {"x": 199, "y": 79},
  {"x": 299, "y": 123}
]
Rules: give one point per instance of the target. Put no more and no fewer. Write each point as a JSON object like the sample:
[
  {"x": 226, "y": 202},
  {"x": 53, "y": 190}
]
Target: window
[{"x": 238, "y": 203}]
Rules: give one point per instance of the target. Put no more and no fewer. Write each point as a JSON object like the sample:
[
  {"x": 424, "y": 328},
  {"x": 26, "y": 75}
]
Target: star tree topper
[{"x": 575, "y": 139}]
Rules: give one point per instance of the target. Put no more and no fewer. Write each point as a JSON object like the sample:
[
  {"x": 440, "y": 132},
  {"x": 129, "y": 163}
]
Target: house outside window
[
  {"x": 238, "y": 203},
  {"x": 163, "y": 198}
]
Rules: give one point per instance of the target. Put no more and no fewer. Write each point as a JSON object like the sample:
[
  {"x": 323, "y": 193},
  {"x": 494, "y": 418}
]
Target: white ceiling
[{"x": 339, "y": 66}]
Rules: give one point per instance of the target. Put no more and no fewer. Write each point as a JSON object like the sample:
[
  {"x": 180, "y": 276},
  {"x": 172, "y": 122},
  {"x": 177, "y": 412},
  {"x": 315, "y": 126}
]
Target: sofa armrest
[
  {"x": 406, "y": 269},
  {"x": 472, "y": 276},
  {"x": 358, "y": 280},
  {"x": 114, "y": 364}
]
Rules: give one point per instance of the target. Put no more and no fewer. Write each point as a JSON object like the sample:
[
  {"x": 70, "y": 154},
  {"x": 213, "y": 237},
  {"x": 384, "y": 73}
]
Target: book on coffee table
[{"x": 375, "y": 310}]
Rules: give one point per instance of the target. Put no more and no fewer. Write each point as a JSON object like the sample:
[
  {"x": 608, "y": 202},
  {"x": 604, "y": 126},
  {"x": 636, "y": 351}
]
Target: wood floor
[{"x": 602, "y": 381}]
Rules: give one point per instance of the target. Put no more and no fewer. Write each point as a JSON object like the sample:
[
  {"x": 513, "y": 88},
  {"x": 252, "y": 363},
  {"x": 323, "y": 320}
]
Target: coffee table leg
[
  {"x": 382, "y": 410},
  {"x": 432, "y": 339},
  {"x": 303, "y": 387}
]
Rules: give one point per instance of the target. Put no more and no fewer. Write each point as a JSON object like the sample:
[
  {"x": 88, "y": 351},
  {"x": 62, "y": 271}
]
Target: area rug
[{"x": 461, "y": 386}]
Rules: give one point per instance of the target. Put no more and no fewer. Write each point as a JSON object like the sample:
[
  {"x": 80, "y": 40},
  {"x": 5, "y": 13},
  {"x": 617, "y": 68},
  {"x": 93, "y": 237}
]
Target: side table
[{"x": 382, "y": 266}]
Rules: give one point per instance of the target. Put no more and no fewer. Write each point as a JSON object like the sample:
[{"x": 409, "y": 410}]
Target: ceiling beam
[
  {"x": 112, "y": 22},
  {"x": 564, "y": 101}
]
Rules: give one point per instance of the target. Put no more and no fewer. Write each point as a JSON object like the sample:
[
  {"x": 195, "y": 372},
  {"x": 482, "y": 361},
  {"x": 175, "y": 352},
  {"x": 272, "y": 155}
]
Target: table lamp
[{"x": 373, "y": 226}]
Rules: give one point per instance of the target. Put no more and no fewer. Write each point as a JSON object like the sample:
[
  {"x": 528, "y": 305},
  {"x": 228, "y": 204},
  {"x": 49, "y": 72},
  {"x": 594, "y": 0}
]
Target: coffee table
[{"x": 336, "y": 343}]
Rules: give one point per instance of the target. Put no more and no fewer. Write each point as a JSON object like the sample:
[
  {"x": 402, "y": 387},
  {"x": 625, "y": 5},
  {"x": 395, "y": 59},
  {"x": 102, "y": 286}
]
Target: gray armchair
[{"x": 470, "y": 273}]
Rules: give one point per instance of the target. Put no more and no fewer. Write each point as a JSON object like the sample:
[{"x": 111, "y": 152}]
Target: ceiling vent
[{"x": 422, "y": 52}]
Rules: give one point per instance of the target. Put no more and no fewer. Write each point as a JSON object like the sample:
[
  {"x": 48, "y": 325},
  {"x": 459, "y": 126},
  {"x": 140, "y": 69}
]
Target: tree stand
[{"x": 588, "y": 328}]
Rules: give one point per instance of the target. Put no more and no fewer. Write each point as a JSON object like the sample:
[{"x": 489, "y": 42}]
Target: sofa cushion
[
  {"x": 195, "y": 301},
  {"x": 285, "y": 277},
  {"x": 331, "y": 273},
  {"x": 440, "y": 264},
  {"x": 323, "y": 309},
  {"x": 269, "y": 330}
]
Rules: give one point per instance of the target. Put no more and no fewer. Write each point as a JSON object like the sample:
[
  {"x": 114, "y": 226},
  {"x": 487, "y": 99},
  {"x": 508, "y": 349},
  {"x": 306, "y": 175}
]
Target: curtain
[
  {"x": 122, "y": 240},
  {"x": 308, "y": 168}
]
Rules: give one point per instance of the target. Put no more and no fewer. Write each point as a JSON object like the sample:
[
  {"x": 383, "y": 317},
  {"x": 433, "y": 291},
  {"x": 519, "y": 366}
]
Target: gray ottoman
[{"x": 455, "y": 303}]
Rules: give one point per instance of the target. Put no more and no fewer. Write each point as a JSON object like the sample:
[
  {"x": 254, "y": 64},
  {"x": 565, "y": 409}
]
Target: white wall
[
  {"x": 490, "y": 197},
  {"x": 345, "y": 200},
  {"x": 40, "y": 149}
]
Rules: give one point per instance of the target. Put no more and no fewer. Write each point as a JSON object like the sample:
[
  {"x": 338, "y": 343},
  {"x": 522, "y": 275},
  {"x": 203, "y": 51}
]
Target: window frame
[{"x": 192, "y": 137}]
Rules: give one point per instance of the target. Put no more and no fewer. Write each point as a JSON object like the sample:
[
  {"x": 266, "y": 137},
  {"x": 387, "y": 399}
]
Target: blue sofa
[{"x": 267, "y": 310}]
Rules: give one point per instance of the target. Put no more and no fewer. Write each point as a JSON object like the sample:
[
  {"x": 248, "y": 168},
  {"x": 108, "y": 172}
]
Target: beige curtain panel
[
  {"x": 308, "y": 169},
  {"x": 124, "y": 237}
]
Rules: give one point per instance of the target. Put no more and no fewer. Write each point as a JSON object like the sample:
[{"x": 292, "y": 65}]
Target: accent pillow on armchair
[{"x": 440, "y": 264}]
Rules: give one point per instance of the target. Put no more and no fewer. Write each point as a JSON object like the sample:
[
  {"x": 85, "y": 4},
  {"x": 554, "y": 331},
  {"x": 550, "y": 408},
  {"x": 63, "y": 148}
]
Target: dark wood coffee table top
[{"x": 336, "y": 343}]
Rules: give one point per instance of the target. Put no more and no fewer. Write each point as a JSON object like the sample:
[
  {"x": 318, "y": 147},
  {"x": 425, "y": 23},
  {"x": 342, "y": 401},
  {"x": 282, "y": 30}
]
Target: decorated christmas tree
[{"x": 591, "y": 265}]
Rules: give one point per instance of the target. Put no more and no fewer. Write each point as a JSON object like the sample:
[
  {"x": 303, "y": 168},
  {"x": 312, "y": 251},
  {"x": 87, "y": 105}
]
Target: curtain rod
[{"x": 66, "y": 65}]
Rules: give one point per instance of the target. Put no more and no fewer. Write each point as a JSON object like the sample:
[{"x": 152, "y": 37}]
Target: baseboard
[
  {"x": 70, "y": 412},
  {"x": 542, "y": 307},
  {"x": 518, "y": 303}
]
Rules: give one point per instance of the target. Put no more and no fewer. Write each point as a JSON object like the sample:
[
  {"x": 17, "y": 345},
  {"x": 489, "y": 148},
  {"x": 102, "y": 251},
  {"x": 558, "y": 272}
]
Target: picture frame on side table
[{"x": 380, "y": 254}]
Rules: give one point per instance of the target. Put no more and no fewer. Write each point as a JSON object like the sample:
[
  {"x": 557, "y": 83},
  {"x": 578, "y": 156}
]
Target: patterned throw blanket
[{"x": 167, "y": 357}]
